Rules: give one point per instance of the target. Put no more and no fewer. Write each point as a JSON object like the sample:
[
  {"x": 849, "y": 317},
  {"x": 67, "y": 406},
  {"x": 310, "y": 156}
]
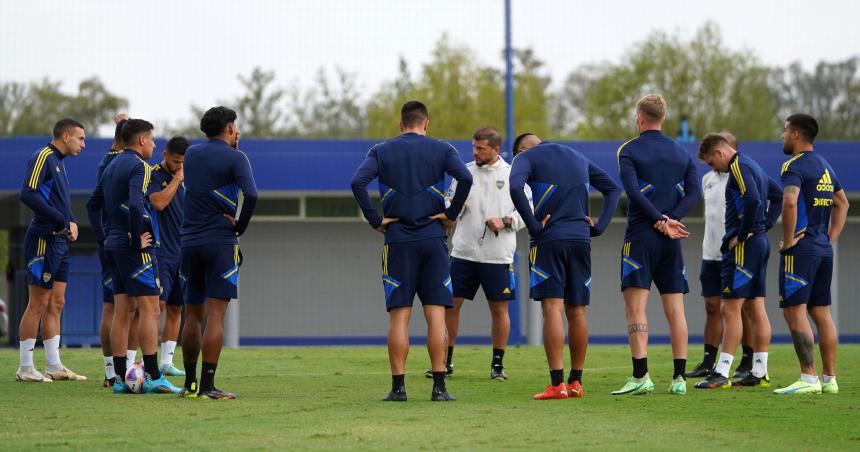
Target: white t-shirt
[{"x": 714, "y": 191}]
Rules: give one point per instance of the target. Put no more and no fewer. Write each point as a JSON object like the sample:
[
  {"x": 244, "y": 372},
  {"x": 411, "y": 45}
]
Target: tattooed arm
[{"x": 789, "y": 217}]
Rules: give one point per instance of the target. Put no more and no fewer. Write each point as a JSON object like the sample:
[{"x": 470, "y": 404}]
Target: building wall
[{"x": 322, "y": 280}]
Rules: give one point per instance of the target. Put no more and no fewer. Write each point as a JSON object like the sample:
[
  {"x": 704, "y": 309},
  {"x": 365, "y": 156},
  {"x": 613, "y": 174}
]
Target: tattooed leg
[{"x": 801, "y": 336}]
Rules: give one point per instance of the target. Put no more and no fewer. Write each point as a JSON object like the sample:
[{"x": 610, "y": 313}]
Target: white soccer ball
[{"x": 135, "y": 377}]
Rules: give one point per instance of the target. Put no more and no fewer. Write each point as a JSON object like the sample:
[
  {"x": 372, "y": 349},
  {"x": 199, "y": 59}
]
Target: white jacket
[
  {"x": 490, "y": 197},
  {"x": 714, "y": 192}
]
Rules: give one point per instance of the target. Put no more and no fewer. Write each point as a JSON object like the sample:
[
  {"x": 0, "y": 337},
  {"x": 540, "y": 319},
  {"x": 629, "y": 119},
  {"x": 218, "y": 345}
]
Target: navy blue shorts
[
  {"x": 659, "y": 260},
  {"x": 47, "y": 259},
  {"x": 497, "y": 280},
  {"x": 211, "y": 271},
  {"x": 416, "y": 268},
  {"x": 805, "y": 280},
  {"x": 561, "y": 269},
  {"x": 107, "y": 279},
  {"x": 172, "y": 282},
  {"x": 134, "y": 272},
  {"x": 744, "y": 268},
  {"x": 710, "y": 278}
]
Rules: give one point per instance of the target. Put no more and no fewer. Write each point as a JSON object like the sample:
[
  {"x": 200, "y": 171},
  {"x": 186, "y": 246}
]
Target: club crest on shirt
[{"x": 500, "y": 184}]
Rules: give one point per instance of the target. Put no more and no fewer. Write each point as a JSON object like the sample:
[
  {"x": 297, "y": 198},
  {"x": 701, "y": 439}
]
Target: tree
[
  {"x": 33, "y": 108},
  {"x": 462, "y": 94},
  {"x": 716, "y": 88},
  {"x": 258, "y": 106},
  {"x": 330, "y": 109},
  {"x": 831, "y": 93}
]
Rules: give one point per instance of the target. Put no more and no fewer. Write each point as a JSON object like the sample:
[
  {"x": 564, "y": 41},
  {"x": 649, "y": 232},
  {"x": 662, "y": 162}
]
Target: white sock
[
  {"x": 130, "y": 355},
  {"x": 827, "y": 378},
  {"x": 167, "y": 350},
  {"x": 52, "y": 353},
  {"x": 724, "y": 364},
  {"x": 26, "y": 347},
  {"x": 759, "y": 364},
  {"x": 109, "y": 372},
  {"x": 811, "y": 379}
]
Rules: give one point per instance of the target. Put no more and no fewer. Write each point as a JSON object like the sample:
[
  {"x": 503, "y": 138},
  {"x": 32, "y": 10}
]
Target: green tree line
[{"x": 713, "y": 86}]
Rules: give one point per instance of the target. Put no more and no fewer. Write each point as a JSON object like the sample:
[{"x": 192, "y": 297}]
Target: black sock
[
  {"x": 640, "y": 367},
  {"x": 150, "y": 366},
  {"x": 398, "y": 382},
  {"x": 119, "y": 367},
  {"x": 710, "y": 355},
  {"x": 207, "y": 376},
  {"x": 450, "y": 356},
  {"x": 498, "y": 356},
  {"x": 575, "y": 375},
  {"x": 556, "y": 376},
  {"x": 190, "y": 373},
  {"x": 439, "y": 380},
  {"x": 746, "y": 360},
  {"x": 680, "y": 368}
]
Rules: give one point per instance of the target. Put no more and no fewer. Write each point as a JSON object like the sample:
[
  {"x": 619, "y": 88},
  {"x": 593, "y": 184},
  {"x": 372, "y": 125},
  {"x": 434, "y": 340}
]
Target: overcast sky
[{"x": 165, "y": 55}]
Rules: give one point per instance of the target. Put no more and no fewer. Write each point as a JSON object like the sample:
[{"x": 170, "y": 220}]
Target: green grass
[{"x": 328, "y": 398}]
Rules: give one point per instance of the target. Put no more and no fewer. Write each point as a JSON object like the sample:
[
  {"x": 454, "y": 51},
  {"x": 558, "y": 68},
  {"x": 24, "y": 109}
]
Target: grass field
[{"x": 328, "y": 398}]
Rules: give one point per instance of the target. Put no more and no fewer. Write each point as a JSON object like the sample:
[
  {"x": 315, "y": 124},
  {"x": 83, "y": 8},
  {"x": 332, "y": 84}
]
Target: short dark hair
[
  {"x": 805, "y": 124},
  {"x": 64, "y": 125},
  {"x": 117, "y": 134},
  {"x": 133, "y": 128},
  {"x": 709, "y": 142},
  {"x": 413, "y": 113},
  {"x": 176, "y": 146},
  {"x": 517, "y": 141},
  {"x": 730, "y": 138},
  {"x": 215, "y": 120},
  {"x": 493, "y": 137}
]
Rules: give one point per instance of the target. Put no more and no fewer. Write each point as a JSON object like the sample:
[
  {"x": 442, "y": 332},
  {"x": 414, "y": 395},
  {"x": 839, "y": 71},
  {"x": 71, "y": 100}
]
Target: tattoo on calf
[
  {"x": 804, "y": 349},
  {"x": 637, "y": 328}
]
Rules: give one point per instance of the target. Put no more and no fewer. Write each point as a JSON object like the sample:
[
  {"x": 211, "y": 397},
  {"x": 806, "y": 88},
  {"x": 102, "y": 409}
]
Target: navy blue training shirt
[
  {"x": 121, "y": 192},
  {"x": 45, "y": 191},
  {"x": 99, "y": 218},
  {"x": 660, "y": 178},
  {"x": 748, "y": 192},
  {"x": 214, "y": 175},
  {"x": 169, "y": 219},
  {"x": 817, "y": 182},
  {"x": 560, "y": 178},
  {"x": 411, "y": 171}
]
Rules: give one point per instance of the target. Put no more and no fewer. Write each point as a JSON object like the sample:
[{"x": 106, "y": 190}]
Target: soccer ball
[{"x": 135, "y": 377}]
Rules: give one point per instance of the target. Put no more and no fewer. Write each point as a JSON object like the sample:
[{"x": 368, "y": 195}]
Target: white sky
[{"x": 165, "y": 55}]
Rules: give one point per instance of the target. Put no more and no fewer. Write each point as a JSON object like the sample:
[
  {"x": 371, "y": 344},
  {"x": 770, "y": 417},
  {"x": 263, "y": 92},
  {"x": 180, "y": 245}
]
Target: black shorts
[
  {"x": 659, "y": 260},
  {"x": 416, "y": 268},
  {"x": 744, "y": 268},
  {"x": 497, "y": 280},
  {"x": 212, "y": 271},
  {"x": 107, "y": 279},
  {"x": 805, "y": 280},
  {"x": 134, "y": 272},
  {"x": 172, "y": 282},
  {"x": 561, "y": 269},
  {"x": 710, "y": 278},
  {"x": 47, "y": 259}
]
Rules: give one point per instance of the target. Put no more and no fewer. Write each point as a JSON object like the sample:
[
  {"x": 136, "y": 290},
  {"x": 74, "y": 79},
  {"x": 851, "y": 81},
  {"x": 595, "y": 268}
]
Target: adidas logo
[
  {"x": 725, "y": 361},
  {"x": 727, "y": 290},
  {"x": 825, "y": 183},
  {"x": 506, "y": 291}
]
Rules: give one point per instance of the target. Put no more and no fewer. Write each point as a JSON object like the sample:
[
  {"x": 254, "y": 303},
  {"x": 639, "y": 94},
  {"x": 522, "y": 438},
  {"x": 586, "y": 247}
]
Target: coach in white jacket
[{"x": 483, "y": 248}]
